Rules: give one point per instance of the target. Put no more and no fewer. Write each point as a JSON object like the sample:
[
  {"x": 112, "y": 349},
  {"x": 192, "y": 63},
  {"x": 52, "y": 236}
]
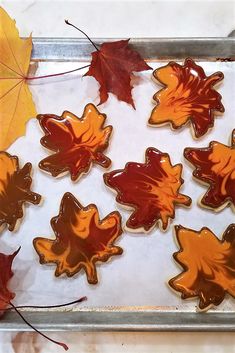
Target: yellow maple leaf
[{"x": 16, "y": 102}]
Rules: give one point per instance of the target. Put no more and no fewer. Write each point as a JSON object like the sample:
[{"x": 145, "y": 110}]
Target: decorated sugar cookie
[
  {"x": 82, "y": 239},
  {"x": 77, "y": 143},
  {"x": 150, "y": 188},
  {"x": 188, "y": 95},
  {"x": 208, "y": 265},
  {"x": 15, "y": 183},
  {"x": 215, "y": 166}
]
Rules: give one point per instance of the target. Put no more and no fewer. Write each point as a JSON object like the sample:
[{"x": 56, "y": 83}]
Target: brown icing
[
  {"x": 152, "y": 189},
  {"x": 215, "y": 166},
  {"x": 77, "y": 143},
  {"x": 208, "y": 265},
  {"x": 188, "y": 95},
  {"x": 82, "y": 239},
  {"x": 15, "y": 190}
]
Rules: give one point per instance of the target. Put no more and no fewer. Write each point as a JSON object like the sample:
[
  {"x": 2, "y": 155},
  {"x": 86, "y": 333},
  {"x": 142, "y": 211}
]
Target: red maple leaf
[
  {"x": 6, "y": 295},
  {"x": 5, "y": 275},
  {"x": 112, "y": 65}
]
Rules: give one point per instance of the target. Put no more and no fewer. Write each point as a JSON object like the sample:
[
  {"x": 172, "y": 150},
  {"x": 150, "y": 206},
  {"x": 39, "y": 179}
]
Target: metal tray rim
[
  {"x": 72, "y": 49},
  {"x": 107, "y": 321}
]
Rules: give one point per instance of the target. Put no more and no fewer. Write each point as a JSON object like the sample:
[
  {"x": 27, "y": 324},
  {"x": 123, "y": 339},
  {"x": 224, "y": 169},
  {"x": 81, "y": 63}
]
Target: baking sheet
[{"x": 138, "y": 278}]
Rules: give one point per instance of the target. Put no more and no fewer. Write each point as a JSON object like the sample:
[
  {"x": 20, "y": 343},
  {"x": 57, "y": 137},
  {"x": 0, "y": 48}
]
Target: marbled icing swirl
[
  {"x": 15, "y": 190},
  {"x": 215, "y": 166},
  {"x": 188, "y": 95},
  {"x": 208, "y": 265},
  {"x": 152, "y": 189},
  {"x": 82, "y": 239},
  {"x": 77, "y": 143}
]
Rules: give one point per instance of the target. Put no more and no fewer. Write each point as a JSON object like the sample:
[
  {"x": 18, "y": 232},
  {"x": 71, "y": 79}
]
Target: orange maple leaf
[
  {"x": 82, "y": 239},
  {"x": 77, "y": 143},
  {"x": 14, "y": 189},
  {"x": 208, "y": 265},
  {"x": 152, "y": 189},
  {"x": 215, "y": 166},
  {"x": 188, "y": 95},
  {"x": 16, "y": 103}
]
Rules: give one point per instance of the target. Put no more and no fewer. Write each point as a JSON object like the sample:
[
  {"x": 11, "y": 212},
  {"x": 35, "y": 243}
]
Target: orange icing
[
  {"x": 208, "y": 265},
  {"x": 77, "y": 143},
  {"x": 152, "y": 189},
  {"x": 188, "y": 95},
  {"x": 215, "y": 165},
  {"x": 15, "y": 190},
  {"x": 82, "y": 239}
]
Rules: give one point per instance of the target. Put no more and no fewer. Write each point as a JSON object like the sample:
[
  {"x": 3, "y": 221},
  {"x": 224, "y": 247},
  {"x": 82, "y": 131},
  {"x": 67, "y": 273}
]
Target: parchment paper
[{"x": 139, "y": 276}]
